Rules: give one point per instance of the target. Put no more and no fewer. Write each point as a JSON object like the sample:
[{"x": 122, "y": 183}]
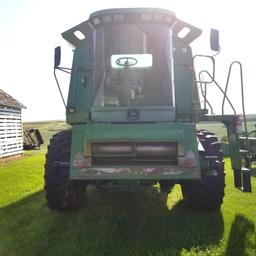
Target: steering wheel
[{"x": 124, "y": 61}]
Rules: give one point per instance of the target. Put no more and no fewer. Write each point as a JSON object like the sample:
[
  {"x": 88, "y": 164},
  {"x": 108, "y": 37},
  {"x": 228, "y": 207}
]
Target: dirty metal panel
[
  {"x": 136, "y": 173},
  {"x": 186, "y": 165}
]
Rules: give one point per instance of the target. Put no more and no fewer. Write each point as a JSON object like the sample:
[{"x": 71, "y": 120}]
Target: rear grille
[{"x": 134, "y": 153}]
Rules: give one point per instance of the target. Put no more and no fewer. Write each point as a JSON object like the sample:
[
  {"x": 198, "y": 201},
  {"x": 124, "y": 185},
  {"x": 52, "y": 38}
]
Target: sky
[{"x": 31, "y": 29}]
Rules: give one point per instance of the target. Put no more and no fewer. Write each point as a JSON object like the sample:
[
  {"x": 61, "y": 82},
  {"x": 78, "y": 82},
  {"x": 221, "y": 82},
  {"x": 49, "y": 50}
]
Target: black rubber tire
[
  {"x": 207, "y": 193},
  {"x": 61, "y": 193},
  {"x": 166, "y": 186}
]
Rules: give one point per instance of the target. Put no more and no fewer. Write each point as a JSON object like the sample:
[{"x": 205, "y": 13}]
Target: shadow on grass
[
  {"x": 113, "y": 223},
  {"x": 240, "y": 229}
]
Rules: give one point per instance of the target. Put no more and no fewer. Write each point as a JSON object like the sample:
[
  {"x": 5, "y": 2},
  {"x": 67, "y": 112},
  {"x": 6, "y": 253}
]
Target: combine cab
[{"x": 133, "y": 105}]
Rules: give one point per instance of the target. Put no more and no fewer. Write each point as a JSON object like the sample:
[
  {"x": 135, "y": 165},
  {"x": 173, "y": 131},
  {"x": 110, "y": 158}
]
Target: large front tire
[
  {"x": 207, "y": 193},
  {"x": 62, "y": 194}
]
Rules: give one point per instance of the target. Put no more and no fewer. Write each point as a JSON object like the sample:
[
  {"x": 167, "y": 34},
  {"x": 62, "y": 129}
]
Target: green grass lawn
[{"x": 139, "y": 222}]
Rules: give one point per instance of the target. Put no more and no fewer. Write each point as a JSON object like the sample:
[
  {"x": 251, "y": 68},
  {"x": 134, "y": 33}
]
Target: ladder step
[
  {"x": 246, "y": 179},
  {"x": 243, "y": 179},
  {"x": 243, "y": 151},
  {"x": 245, "y": 170}
]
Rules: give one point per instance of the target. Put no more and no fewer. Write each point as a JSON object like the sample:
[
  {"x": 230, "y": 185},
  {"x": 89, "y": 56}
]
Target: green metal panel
[
  {"x": 146, "y": 114},
  {"x": 80, "y": 90},
  {"x": 183, "y": 133},
  {"x": 183, "y": 78}
]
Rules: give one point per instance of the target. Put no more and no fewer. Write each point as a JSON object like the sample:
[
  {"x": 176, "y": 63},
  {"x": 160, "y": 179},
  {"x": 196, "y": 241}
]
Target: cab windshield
[{"x": 132, "y": 65}]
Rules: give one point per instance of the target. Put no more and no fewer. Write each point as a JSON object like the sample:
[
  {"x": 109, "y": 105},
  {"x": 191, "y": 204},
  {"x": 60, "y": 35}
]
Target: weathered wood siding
[{"x": 11, "y": 133}]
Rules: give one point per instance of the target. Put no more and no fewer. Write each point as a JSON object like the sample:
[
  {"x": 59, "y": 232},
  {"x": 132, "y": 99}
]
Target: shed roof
[{"x": 9, "y": 101}]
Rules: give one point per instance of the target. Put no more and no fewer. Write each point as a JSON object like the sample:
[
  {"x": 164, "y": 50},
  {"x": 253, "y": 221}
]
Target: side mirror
[
  {"x": 57, "y": 56},
  {"x": 215, "y": 44}
]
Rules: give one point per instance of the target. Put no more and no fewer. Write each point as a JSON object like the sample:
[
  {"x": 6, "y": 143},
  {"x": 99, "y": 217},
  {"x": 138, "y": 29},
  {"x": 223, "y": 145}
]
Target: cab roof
[
  {"x": 131, "y": 10},
  {"x": 131, "y": 16}
]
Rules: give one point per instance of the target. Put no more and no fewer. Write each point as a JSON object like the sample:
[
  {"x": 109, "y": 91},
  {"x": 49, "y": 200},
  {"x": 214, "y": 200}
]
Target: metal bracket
[
  {"x": 58, "y": 164},
  {"x": 243, "y": 179}
]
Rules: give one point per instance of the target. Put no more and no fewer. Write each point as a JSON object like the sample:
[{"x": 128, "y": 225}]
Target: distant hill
[{"x": 251, "y": 117}]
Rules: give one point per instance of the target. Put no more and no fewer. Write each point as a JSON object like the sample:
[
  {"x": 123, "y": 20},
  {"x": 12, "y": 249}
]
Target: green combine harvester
[{"x": 133, "y": 105}]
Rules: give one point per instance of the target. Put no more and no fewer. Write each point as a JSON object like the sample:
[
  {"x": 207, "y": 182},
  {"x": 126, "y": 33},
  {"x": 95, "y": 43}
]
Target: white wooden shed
[{"x": 11, "y": 132}]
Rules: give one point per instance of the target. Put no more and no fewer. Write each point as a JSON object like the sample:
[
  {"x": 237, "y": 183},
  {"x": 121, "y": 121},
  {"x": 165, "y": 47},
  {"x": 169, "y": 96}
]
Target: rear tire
[
  {"x": 61, "y": 193},
  {"x": 166, "y": 186},
  {"x": 207, "y": 193}
]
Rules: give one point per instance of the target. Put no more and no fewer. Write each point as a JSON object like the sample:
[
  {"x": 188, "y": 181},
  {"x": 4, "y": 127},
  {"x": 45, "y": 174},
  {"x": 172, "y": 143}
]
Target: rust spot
[
  {"x": 107, "y": 171},
  {"x": 188, "y": 161},
  {"x": 81, "y": 162}
]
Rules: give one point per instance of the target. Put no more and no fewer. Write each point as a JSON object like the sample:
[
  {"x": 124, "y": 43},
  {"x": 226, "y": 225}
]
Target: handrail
[
  {"x": 214, "y": 81},
  {"x": 213, "y": 66},
  {"x": 242, "y": 94},
  {"x": 58, "y": 85},
  {"x": 225, "y": 97},
  {"x": 227, "y": 82},
  {"x": 203, "y": 92}
]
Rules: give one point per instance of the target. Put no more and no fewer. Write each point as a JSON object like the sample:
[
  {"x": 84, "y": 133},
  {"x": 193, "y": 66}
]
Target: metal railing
[{"x": 203, "y": 88}]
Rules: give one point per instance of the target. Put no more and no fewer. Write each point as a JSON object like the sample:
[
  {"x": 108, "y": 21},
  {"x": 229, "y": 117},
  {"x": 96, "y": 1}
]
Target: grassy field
[{"x": 138, "y": 222}]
